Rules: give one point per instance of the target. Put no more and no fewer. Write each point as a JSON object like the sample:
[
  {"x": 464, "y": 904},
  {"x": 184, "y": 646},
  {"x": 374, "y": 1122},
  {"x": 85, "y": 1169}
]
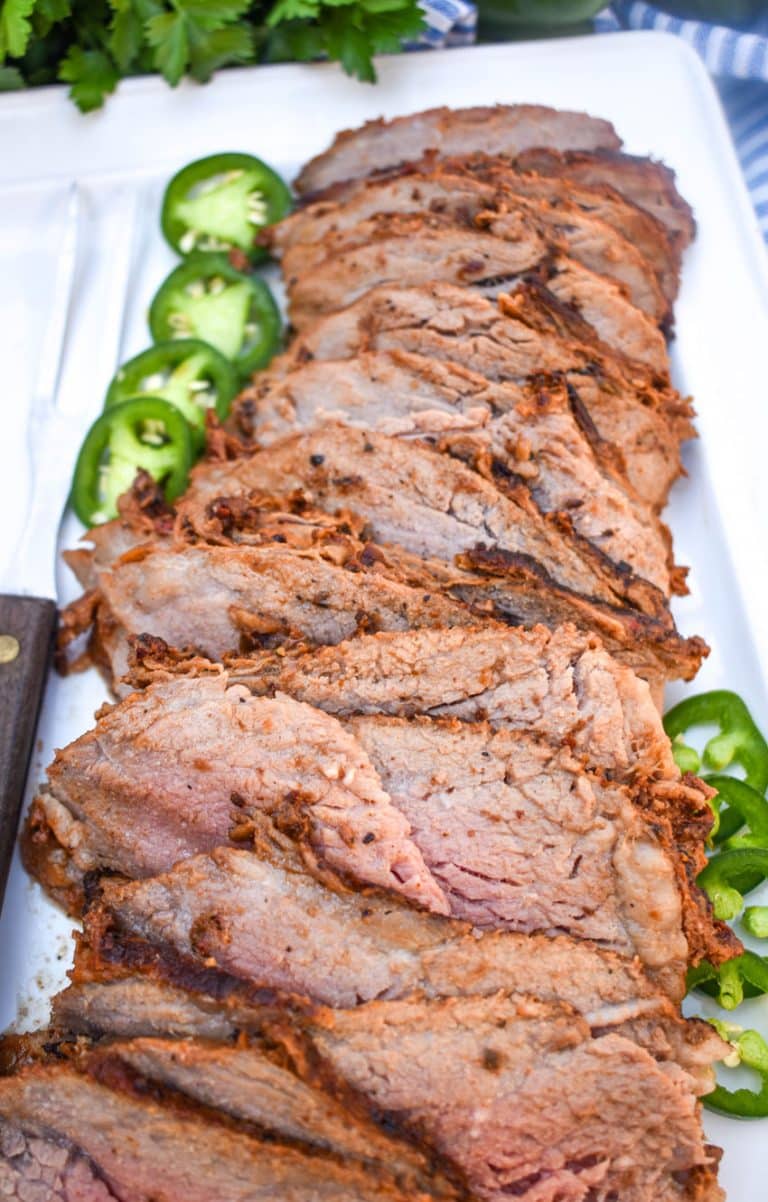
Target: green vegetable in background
[
  {"x": 92, "y": 44},
  {"x": 219, "y": 203}
]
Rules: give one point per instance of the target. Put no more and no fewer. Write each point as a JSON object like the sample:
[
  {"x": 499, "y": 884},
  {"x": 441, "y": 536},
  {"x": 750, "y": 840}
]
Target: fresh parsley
[{"x": 92, "y": 44}]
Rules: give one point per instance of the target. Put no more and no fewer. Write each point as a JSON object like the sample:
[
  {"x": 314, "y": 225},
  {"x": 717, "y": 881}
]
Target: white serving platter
[{"x": 655, "y": 91}]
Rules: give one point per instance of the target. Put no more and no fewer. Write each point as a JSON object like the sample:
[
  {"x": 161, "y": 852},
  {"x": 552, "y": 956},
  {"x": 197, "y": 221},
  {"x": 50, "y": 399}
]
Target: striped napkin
[
  {"x": 739, "y": 62},
  {"x": 449, "y": 23}
]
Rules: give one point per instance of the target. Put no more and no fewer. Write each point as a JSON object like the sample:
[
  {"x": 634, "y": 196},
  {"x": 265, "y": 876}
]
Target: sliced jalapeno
[
  {"x": 207, "y": 298},
  {"x": 148, "y": 433},
  {"x": 221, "y": 202},
  {"x": 187, "y": 373}
]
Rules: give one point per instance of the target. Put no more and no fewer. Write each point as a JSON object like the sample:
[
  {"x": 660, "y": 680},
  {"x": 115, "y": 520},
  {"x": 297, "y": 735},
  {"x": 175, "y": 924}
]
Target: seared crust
[{"x": 499, "y": 129}]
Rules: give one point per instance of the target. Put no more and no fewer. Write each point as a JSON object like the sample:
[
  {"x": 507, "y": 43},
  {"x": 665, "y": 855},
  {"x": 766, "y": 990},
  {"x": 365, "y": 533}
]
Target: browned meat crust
[
  {"x": 502, "y": 129},
  {"x": 640, "y": 418},
  {"x": 532, "y": 434},
  {"x": 647, "y": 183}
]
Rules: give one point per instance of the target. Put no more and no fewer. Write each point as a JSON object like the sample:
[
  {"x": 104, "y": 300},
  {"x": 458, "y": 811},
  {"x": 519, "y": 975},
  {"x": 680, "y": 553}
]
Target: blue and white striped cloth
[
  {"x": 737, "y": 59},
  {"x": 449, "y": 23}
]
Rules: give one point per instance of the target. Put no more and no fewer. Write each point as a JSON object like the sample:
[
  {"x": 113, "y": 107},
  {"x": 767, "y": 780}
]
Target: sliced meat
[
  {"x": 648, "y": 184},
  {"x": 177, "y": 770},
  {"x": 523, "y": 336},
  {"x": 430, "y": 504},
  {"x": 613, "y": 993},
  {"x": 136, "y": 1144},
  {"x": 559, "y": 684},
  {"x": 501, "y": 129},
  {"x": 520, "y": 837},
  {"x": 435, "y": 507},
  {"x": 406, "y": 251},
  {"x": 493, "y": 826},
  {"x": 456, "y": 195},
  {"x": 539, "y": 1110},
  {"x": 413, "y": 250},
  {"x": 532, "y": 435},
  {"x": 219, "y": 599},
  {"x": 343, "y": 204},
  {"x": 284, "y": 1089},
  {"x": 209, "y": 909},
  {"x": 641, "y": 229},
  {"x": 41, "y": 1168}
]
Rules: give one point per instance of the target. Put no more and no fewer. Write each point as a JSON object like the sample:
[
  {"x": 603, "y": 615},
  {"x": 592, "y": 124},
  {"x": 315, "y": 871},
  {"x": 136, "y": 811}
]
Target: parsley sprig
[{"x": 92, "y": 44}]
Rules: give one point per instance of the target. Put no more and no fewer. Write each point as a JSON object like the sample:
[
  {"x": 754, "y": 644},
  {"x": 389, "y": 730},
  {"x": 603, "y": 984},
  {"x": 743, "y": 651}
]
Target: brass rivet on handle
[{"x": 9, "y": 648}]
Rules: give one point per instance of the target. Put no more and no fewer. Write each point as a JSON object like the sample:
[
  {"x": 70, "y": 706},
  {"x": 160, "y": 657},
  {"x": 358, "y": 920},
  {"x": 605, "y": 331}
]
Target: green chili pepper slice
[
  {"x": 147, "y": 433},
  {"x": 739, "y": 740},
  {"x": 745, "y": 976},
  {"x": 743, "y": 807},
  {"x": 220, "y": 203},
  {"x": 731, "y": 874},
  {"x": 751, "y": 1050},
  {"x": 209, "y": 299},
  {"x": 186, "y": 372}
]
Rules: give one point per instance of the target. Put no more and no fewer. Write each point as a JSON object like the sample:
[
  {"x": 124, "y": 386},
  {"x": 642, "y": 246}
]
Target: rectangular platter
[{"x": 650, "y": 86}]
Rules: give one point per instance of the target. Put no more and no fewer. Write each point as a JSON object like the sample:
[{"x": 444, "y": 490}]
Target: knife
[{"x": 60, "y": 414}]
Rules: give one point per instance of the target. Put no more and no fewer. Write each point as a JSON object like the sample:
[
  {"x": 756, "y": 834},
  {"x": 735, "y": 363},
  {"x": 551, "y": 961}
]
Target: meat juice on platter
[{"x": 386, "y": 869}]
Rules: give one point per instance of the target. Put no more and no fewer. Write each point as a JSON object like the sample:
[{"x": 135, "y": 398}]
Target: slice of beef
[
  {"x": 143, "y": 1147},
  {"x": 644, "y": 231},
  {"x": 461, "y": 197},
  {"x": 177, "y": 769},
  {"x": 530, "y": 434},
  {"x": 337, "y": 207},
  {"x": 285, "y": 1090},
  {"x": 520, "y": 837},
  {"x": 430, "y": 504},
  {"x": 38, "y": 1167},
  {"x": 412, "y": 251},
  {"x": 494, "y": 826},
  {"x": 523, "y": 336},
  {"x": 647, "y": 183},
  {"x": 219, "y": 599},
  {"x": 151, "y": 1000},
  {"x": 212, "y": 909},
  {"x": 524, "y": 1101},
  {"x": 559, "y": 684},
  {"x": 502, "y": 129}
]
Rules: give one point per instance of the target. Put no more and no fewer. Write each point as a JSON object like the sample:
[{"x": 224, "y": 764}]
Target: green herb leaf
[
  {"x": 168, "y": 34},
  {"x": 126, "y": 34},
  {"x": 15, "y": 27},
  {"x": 220, "y": 47},
  {"x": 10, "y": 79},
  {"x": 92, "y": 75}
]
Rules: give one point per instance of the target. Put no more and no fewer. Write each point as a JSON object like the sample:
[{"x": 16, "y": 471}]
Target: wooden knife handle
[{"x": 27, "y": 625}]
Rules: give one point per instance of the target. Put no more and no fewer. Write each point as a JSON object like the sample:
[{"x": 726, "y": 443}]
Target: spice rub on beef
[
  {"x": 507, "y": 432},
  {"x": 495, "y": 826},
  {"x": 436, "y": 507},
  {"x": 647, "y": 183},
  {"x": 495, "y": 258},
  {"x": 397, "y": 1058},
  {"x": 485, "y": 199},
  {"x": 79, "y": 1131},
  {"x": 122, "y": 987},
  {"x": 514, "y": 340},
  {"x": 177, "y": 770},
  {"x": 500, "y": 129}
]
